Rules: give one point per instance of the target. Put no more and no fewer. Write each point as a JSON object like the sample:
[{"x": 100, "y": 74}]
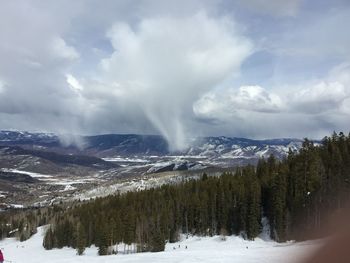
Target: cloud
[
  {"x": 164, "y": 64},
  {"x": 188, "y": 67},
  {"x": 317, "y": 34},
  {"x": 273, "y": 7},
  {"x": 322, "y": 103},
  {"x": 255, "y": 98},
  {"x": 321, "y": 96},
  {"x": 60, "y": 47},
  {"x": 228, "y": 102},
  {"x": 2, "y": 86},
  {"x": 35, "y": 58},
  {"x": 74, "y": 83},
  {"x": 345, "y": 106}
]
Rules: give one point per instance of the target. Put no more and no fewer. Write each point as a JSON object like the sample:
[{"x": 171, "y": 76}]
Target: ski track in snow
[{"x": 200, "y": 249}]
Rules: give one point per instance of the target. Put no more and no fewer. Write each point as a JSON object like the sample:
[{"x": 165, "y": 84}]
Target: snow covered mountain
[
  {"x": 22, "y": 138},
  {"x": 226, "y": 147},
  {"x": 117, "y": 145}
]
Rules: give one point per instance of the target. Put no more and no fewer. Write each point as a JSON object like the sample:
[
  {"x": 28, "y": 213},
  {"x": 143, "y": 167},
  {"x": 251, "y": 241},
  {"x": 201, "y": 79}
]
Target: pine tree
[
  {"x": 129, "y": 229},
  {"x": 104, "y": 241},
  {"x": 277, "y": 217},
  {"x": 253, "y": 213},
  {"x": 81, "y": 240},
  {"x": 48, "y": 242},
  {"x": 157, "y": 241}
]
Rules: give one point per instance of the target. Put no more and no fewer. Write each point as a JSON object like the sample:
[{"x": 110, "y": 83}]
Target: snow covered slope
[{"x": 203, "y": 250}]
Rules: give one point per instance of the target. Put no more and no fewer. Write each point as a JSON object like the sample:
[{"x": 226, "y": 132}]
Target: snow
[
  {"x": 69, "y": 183},
  {"x": 126, "y": 160},
  {"x": 34, "y": 175},
  {"x": 16, "y": 206},
  {"x": 143, "y": 183},
  {"x": 199, "y": 249},
  {"x": 68, "y": 187}
]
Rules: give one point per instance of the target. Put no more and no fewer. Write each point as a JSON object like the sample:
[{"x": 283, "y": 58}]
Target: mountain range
[{"x": 128, "y": 145}]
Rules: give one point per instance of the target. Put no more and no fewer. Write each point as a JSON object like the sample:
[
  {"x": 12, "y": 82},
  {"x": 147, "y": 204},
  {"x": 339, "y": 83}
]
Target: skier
[{"x": 1, "y": 257}]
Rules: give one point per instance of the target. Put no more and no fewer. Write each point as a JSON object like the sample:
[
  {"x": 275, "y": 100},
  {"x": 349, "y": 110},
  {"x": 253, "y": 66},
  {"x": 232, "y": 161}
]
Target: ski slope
[{"x": 199, "y": 249}]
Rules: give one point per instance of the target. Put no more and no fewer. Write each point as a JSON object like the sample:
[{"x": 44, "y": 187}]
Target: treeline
[
  {"x": 23, "y": 223},
  {"x": 295, "y": 194},
  {"x": 213, "y": 205},
  {"x": 300, "y": 193}
]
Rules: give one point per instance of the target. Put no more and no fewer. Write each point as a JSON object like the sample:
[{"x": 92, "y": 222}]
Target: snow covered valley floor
[{"x": 199, "y": 249}]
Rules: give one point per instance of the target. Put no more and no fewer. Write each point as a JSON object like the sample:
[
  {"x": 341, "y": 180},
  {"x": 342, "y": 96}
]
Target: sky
[{"x": 186, "y": 68}]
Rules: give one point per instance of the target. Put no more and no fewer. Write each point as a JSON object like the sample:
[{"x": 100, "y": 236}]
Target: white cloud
[
  {"x": 319, "y": 98},
  {"x": 61, "y": 49},
  {"x": 74, "y": 83},
  {"x": 223, "y": 104},
  {"x": 345, "y": 107},
  {"x": 165, "y": 63},
  {"x": 256, "y": 98},
  {"x": 313, "y": 107},
  {"x": 34, "y": 60}
]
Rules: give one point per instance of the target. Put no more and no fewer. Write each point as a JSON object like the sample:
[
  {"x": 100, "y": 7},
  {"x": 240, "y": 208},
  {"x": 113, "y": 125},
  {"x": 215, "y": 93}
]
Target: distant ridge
[{"x": 109, "y": 145}]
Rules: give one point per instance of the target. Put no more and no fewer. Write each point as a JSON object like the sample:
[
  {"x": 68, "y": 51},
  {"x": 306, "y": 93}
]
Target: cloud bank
[{"x": 321, "y": 103}]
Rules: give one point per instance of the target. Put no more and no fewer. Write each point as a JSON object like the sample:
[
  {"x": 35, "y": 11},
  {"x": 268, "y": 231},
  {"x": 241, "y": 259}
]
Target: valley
[{"x": 38, "y": 169}]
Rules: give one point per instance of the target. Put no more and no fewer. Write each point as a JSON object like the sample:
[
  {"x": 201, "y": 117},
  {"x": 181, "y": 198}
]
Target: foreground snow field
[{"x": 207, "y": 249}]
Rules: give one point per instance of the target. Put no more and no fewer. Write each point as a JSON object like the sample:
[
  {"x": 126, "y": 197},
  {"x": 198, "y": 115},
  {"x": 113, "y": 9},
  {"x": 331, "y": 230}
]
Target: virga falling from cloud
[{"x": 165, "y": 64}]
